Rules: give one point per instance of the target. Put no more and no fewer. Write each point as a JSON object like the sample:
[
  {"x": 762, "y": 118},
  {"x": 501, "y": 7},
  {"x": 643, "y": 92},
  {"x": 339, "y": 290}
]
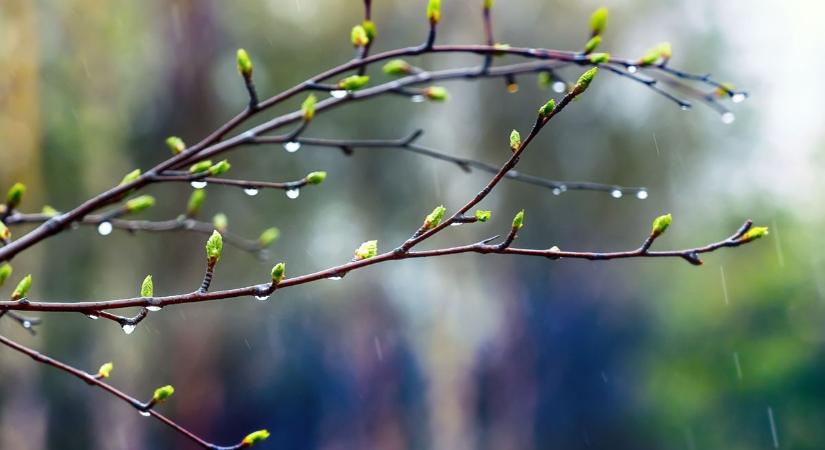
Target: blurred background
[{"x": 461, "y": 352}]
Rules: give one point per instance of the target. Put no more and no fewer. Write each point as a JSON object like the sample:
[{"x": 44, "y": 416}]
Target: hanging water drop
[
  {"x": 93, "y": 316},
  {"x": 684, "y": 107},
  {"x": 27, "y": 324},
  {"x": 293, "y": 193},
  {"x": 417, "y": 98},
  {"x": 632, "y": 69},
  {"x": 338, "y": 93},
  {"x": 198, "y": 184},
  {"x": 334, "y": 278},
  {"x": 728, "y": 118},
  {"x": 559, "y": 87},
  {"x": 456, "y": 224},
  {"x": 153, "y": 308},
  {"x": 262, "y": 298},
  {"x": 738, "y": 97},
  {"x": 145, "y": 413},
  {"x": 128, "y": 329},
  {"x": 641, "y": 195},
  {"x": 292, "y": 146},
  {"x": 251, "y": 192},
  {"x": 615, "y": 193},
  {"x": 104, "y": 228},
  {"x": 556, "y": 191}
]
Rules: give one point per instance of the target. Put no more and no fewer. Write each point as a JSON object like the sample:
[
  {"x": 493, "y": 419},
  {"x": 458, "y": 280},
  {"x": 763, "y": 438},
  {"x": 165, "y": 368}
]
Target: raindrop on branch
[
  {"x": 556, "y": 191},
  {"x": 559, "y": 87},
  {"x": 615, "y": 193},
  {"x": 262, "y": 298},
  {"x": 198, "y": 184},
  {"x": 144, "y": 413},
  {"x": 93, "y": 316},
  {"x": 27, "y": 324},
  {"x": 417, "y": 98},
  {"x": 251, "y": 192},
  {"x": 641, "y": 195},
  {"x": 684, "y": 107},
  {"x": 128, "y": 329},
  {"x": 456, "y": 224},
  {"x": 728, "y": 118},
  {"x": 738, "y": 97},
  {"x": 632, "y": 69},
  {"x": 292, "y": 146},
  {"x": 338, "y": 93},
  {"x": 335, "y": 278},
  {"x": 105, "y": 228},
  {"x": 153, "y": 308},
  {"x": 293, "y": 193}
]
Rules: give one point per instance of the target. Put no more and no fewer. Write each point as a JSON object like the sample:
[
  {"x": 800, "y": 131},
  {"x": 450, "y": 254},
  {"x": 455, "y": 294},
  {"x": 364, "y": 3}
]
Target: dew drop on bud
[
  {"x": 417, "y": 98},
  {"x": 153, "y": 308},
  {"x": 293, "y": 193},
  {"x": 144, "y": 413},
  {"x": 128, "y": 329},
  {"x": 615, "y": 193},
  {"x": 198, "y": 184},
  {"x": 262, "y": 298},
  {"x": 728, "y": 118},
  {"x": 738, "y": 97},
  {"x": 105, "y": 228},
  {"x": 632, "y": 69},
  {"x": 559, "y": 87},
  {"x": 641, "y": 195},
  {"x": 338, "y": 93},
  {"x": 292, "y": 146},
  {"x": 251, "y": 192}
]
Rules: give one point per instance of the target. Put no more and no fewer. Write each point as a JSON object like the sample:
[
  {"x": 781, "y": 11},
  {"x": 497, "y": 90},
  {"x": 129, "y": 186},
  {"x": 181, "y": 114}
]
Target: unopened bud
[
  {"x": 515, "y": 140},
  {"x": 353, "y": 82},
  {"x": 254, "y": 438},
  {"x": 219, "y": 168},
  {"x": 269, "y": 236},
  {"x": 584, "y": 81},
  {"x": 599, "y": 58},
  {"x": 220, "y": 222},
  {"x": 592, "y": 44},
  {"x": 359, "y": 37},
  {"x": 397, "y": 67},
  {"x": 308, "y": 107},
  {"x": 49, "y": 211},
  {"x": 488, "y": 4},
  {"x": 544, "y": 79},
  {"x": 163, "y": 393},
  {"x": 214, "y": 246},
  {"x": 139, "y": 204},
  {"x": 278, "y": 273},
  {"x": 200, "y": 166},
  {"x": 175, "y": 144},
  {"x": 5, "y": 272},
  {"x": 598, "y": 21},
  {"x": 660, "y": 224},
  {"x": 434, "y": 218},
  {"x": 147, "y": 288},
  {"x": 130, "y": 177},
  {"x": 5, "y": 232},
  {"x": 434, "y": 11},
  {"x": 754, "y": 234},
  {"x": 316, "y": 177},
  {"x": 366, "y": 250},
  {"x": 369, "y": 27},
  {"x": 15, "y": 195},
  {"x": 547, "y": 108},
  {"x": 650, "y": 56},
  {"x": 518, "y": 221},
  {"x": 244, "y": 64},
  {"x": 195, "y": 202},
  {"x": 105, "y": 370},
  {"x": 483, "y": 216},
  {"x": 436, "y": 93},
  {"x": 22, "y": 288}
]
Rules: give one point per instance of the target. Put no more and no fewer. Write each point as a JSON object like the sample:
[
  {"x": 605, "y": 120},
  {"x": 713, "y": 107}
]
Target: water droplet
[
  {"x": 144, "y": 413},
  {"x": 262, "y": 298},
  {"x": 251, "y": 192},
  {"x": 27, "y": 324},
  {"x": 293, "y": 193},
  {"x": 75, "y": 225},
  {"x": 292, "y": 146},
  {"x": 93, "y": 316},
  {"x": 105, "y": 228},
  {"x": 559, "y": 87},
  {"x": 632, "y": 69},
  {"x": 417, "y": 98},
  {"x": 335, "y": 278},
  {"x": 738, "y": 97},
  {"x": 198, "y": 184},
  {"x": 338, "y": 93},
  {"x": 684, "y": 107},
  {"x": 456, "y": 224},
  {"x": 641, "y": 195},
  {"x": 128, "y": 329},
  {"x": 556, "y": 191},
  {"x": 153, "y": 308},
  {"x": 728, "y": 118},
  {"x": 615, "y": 193}
]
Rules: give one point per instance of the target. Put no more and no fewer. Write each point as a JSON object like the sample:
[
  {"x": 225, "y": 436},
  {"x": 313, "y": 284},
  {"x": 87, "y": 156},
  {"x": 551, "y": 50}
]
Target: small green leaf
[
  {"x": 163, "y": 393},
  {"x": 278, "y": 273},
  {"x": 482, "y": 215},
  {"x": 434, "y": 218},
  {"x": 255, "y": 438},
  {"x": 22, "y": 288},
  {"x": 754, "y": 234},
  {"x": 547, "y": 108},
  {"x": 214, "y": 247},
  {"x": 366, "y": 250},
  {"x": 147, "y": 288},
  {"x": 515, "y": 140}
]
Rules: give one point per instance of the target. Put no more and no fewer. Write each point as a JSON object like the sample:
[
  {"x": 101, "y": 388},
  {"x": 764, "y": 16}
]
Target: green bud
[
  {"x": 244, "y": 64},
  {"x": 483, "y": 216},
  {"x": 584, "y": 81},
  {"x": 163, "y": 393},
  {"x": 598, "y": 21},
  {"x": 147, "y": 288},
  {"x": 5, "y": 272},
  {"x": 545, "y": 79},
  {"x": 592, "y": 44},
  {"x": 725, "y": 89},
  {"x": 547, "y": 108},
  {"x": 515, "y": 140},
  {"x": 436, "y": 93},
  {"x": 49, "y": 211},
  {"x": 219, "y": 168},
  {"x": 366, "y": 250},
  {"x": 195, "y": 202},
  {"x": 200, "y": 166},
  {"x": 139, "y": 204},
  {"x": 660, "y": 224},
  {"x": 434, "y": 11},
  {"x": 650, "y": 56},
  {"x": 214, "y": 246},
  {"x": 254, "y": 438},
  {"x": 15, "y": 195},
  {"x": 600, "y": 58},
  {"x": 220, "y": 222},
  {"x": 434, "y": 218},
  {"x": 105, "y": 370},
  {"x": 278, "y": 272},
  {"x": 754, "y": 234},
  {"x": 5, "y": 233},
  {"x": 665, "y": 50},
  {"x": 308, "y": 107},
  {"x": 397, "y": 67},
  {"x": 316, "y": 177},
  {"x": 269, "y": 236},
  {"x": 22, "y": 288},
  {"x": 353, "y": 82},
  {"x": 175, "y": 144},
  {"x": 369, "y": 27},
  {"x": 130, "y": 177},
  {"x": 488, "y": 4},
  {"x": 518, "y": 221},
  {"x": 359, "y": 37}
]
